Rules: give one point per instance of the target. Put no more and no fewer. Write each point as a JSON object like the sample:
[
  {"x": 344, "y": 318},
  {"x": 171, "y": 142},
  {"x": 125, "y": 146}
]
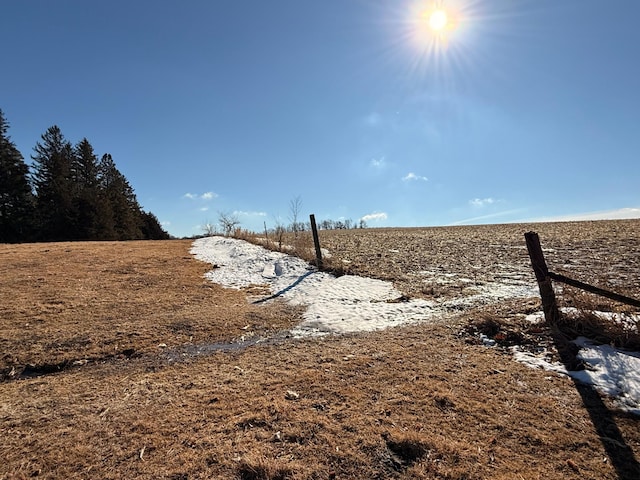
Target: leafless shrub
[
  {"x": 209, "y": 228},
  {"x": 295, "y": 207},
  {"x": 228, "y": 222}
]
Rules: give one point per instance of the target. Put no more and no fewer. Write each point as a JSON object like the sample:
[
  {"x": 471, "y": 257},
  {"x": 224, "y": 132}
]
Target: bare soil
[
  {"x": 119, "y": 360},
  {"x": 439, "y": 262}
]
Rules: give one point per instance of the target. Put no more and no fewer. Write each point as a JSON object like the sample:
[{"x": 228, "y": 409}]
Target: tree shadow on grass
[{"x": 620, "y": 454}]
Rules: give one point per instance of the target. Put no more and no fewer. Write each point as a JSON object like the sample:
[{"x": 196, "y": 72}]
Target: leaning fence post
[
  {"x": 549, "y": 305},
  {"x": 316, "y": 241}
]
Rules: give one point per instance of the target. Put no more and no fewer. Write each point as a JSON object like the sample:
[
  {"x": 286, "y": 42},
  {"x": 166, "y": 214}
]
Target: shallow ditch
[{"x": 25, "y": 372}]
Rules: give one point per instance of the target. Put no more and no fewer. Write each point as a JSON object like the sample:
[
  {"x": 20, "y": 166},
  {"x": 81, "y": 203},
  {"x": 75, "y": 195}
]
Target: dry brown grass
[
  {"x": 65, "y": 302},
  {"x": 414, "y": 402},
  {"x": 589, "y": 321}
]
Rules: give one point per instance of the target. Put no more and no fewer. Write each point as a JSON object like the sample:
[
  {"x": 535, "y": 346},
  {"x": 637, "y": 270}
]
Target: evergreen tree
[
  {"x": 16, "y": 199},
  {"x": 52, "y": 180},
  {"x": 151, "y": 228},
  {"x": 76, "y": 197},
  {"x": 86, "y": 193},
  {"x": 123, "y": 209}
]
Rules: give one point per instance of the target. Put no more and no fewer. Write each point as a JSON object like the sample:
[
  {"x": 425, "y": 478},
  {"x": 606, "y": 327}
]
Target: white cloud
[
  {"x": 378, "y": 162},
  {"x": 249, "y": 214},
  {"x": 204, "y": 196},
  {"x": 413, "y": 177},
  {"x": 374, "y": 217},
  {"x": 165, "y": 223},
  {"x": 204, "y": 209},
  {"x": 481, "y": 202}
]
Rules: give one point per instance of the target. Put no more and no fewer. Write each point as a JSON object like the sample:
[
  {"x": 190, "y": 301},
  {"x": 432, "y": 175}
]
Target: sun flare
[{"x": 438, "y": 20}]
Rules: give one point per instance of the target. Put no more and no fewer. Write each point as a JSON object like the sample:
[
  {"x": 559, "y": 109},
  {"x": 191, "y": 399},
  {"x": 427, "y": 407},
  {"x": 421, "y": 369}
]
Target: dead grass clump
[
  {"x": 261, "y": 468},
  {"x": 602, "y": 330},
  {"x": 301, "y": 245},
  {"x": 243, "y": 234},
  {"x": 506, "y": 332},
  {"x": 487, "y": 325},
  {"x": 600, "y": 319}
]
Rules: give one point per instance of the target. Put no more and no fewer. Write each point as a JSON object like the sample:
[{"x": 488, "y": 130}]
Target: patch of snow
[
  {"x": 344, "y": 304},
  {"x": 353, "y": 304},
  {"x": 540, "y": 360},
  {"x": 611, "y": 371}
]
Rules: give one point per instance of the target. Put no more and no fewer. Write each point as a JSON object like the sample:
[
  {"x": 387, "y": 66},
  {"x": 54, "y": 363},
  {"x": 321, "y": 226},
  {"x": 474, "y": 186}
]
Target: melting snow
[
  {"x": 612, "y": 371},
  {"x": 343, "y": 304},
  {"x": 352, "y": 304}
]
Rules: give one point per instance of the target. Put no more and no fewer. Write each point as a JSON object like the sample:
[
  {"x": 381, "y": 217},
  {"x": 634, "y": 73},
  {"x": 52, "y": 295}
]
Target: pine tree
[
  {"x": 16, "y": 199},
  {"x": 151, "y": 228},
  {"x": 52, "y": 180},
  {"x": 122, "y": 205},
  {"x": 86, "y": 193}
]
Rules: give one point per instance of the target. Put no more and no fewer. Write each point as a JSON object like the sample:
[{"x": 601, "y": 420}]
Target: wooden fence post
[
  {"x": 316, "y": 241},
  {"x": 549, "y": 305}
]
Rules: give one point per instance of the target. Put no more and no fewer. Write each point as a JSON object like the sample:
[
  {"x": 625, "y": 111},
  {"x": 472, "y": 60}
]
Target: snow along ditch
[
  {"x": 334, "y": 304},
  {"x": 356, "y": 304}
]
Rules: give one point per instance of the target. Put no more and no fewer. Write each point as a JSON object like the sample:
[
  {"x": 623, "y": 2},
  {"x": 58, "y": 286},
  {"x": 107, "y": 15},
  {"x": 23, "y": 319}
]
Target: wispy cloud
[
  {"x": 378, "y": 162},
  {"x": 482, "y": 218},
  {"x": 373, "y": 119},
  {"x": 204, "y": 196},
  {"x": 204, "y": 209},
  {"x": 374, "y": 217},
  {"x": 628, "y": 213},
  {"x": 619, "y": 214},
  {"x": 243, "y": 213},
  {"x": 412, "y": 177},
  {"x": 481, "y": 202}
]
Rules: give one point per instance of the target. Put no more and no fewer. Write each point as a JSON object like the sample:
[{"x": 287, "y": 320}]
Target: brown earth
[
  {"x": 101, "y": 376},
  {"x": 439, "y": 262}
]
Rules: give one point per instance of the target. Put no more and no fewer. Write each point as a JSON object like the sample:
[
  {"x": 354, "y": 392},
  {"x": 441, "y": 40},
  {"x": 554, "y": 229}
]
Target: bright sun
[
  {"x": 434, "y": 29},
  {"x": 438, "y": 20}
]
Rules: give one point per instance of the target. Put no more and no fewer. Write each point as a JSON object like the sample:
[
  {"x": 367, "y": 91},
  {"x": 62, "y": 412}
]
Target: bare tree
[
  {"x": 228, "y": 222},
  {"x": 209, "y": 228},
  {"x": 295, "y": 206}
]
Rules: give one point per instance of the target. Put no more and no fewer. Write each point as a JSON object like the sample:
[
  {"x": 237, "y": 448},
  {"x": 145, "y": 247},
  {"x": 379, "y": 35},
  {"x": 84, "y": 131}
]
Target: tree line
[{"x": 67, "y": 194}]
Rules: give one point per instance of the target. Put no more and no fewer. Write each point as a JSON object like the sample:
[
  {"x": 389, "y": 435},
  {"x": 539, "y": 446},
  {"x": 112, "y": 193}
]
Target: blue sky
[{"x": 523, "y": 110}]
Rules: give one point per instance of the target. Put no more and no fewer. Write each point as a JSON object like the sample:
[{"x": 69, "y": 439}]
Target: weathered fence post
[
  {"x": 549, "y": 305},
  {"x": 266, "y": 235},
  {"x": 316, "y": 241}
]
